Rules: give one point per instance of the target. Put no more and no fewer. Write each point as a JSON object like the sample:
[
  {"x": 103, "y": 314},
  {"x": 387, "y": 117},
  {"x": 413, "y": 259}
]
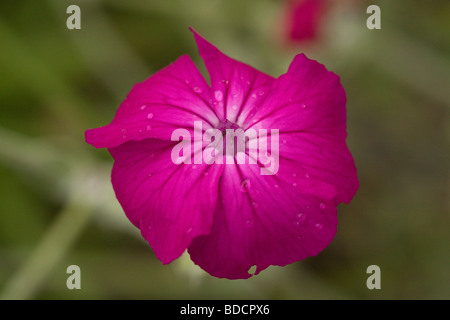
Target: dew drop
[
  {"x": 318, "y": 226},
  {"x": 284, "y": 141},
  {"x": 294, "y": 184},
  {"x": 245, "y": 185},
  {"x": 226, "y": 82},
  {"x": 254, "y": 96},
  {"x": 303, "y": 106},
  {"x": 198, "y": 90},
  {"x": 143, "y": 107},
  {"x": 248, "y": 221},
  {"x": 307, "y": 175},
  {"x": 149, "y": 128},
  {"x": 301, "y": 217},
  {"x": 124, "y": 130},
  {"x": 186, "y": 81},
  {"x": 189, "y": 230},
  {"x": 150, "y": 116},
  {"x": 322, "y": 205},
  {"x": 150, "y": 175},
  {"x": 261, "y": 92},
  {"x": 276, "y": 186},
  {"x": 218, "y": 95},
  {"x": 254, "y": 204},
  {"x": 294, "y": 175}
]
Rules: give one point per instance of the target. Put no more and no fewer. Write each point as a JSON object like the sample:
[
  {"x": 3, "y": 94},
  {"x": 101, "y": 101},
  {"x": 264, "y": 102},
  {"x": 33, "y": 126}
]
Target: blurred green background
[{"x": 57, "y": 207}]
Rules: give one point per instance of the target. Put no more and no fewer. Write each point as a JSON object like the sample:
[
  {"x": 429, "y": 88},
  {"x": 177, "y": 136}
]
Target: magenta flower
[
  {"x": 303, "y": 19},
  {"x": 244, "y": 209}
]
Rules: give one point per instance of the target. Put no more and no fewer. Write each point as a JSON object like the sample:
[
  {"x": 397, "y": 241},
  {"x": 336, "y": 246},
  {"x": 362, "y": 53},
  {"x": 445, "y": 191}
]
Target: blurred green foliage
[{"x": 57, "y": 207}]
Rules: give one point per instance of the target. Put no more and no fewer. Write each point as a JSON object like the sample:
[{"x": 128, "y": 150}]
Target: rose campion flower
[
  {"x": 228, "y": 214},
  {"x": 303, "y": 19}
]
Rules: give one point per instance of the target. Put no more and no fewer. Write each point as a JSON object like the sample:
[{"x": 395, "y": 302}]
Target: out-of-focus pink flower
[
  {"x": 304, "y": 18},
  {"x": 231, "y": 216}
]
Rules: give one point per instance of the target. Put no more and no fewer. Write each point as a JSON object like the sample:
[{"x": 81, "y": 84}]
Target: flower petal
[
  {"x": 236, "y": 87},
  {"x": 172, "y": 98},
  {"x": 171, "y": 204},
  {"x": 264, "y": 220},
  {"x": 307, "y": 105}
]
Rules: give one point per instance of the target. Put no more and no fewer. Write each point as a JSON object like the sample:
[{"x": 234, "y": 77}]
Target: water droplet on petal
[
  {"x": 189, "y": 230},
  {"x": 284, "y": 141},
  {"x": 254, "y": 96},
  {"x": 149, "y": 128},
  {"x": 303, "y": 106},
  {"x": 254, "y": 204},
  {"x": 261, "y": 92},
  {"x": 198, "y": 90},
  {"x": 322, "y": 205},
  {"x": 318, "y": 226},
  {"x": 245, "y": 185},
  {"x": 186, "y": 81},
  {"x": 294, "y": 175},
  {"x": 150, "y": 115},
  {"x": 307, "y": 175},
  {"x": 294, "y": 184},
  {"x": 143, "y": 107},
  {"x": 276, "y": 186},
  {"x": 301, "y": 217},
  {"x": 218, "y": 95}
]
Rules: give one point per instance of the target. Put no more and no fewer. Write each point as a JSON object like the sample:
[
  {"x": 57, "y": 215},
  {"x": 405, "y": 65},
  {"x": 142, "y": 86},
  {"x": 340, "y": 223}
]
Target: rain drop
[
  {"x": 197, "y": 89},
  {"x": 149, "y": 128},
  {"x": 303, "y": 106},
  {"x": 218, "y": 95},
  {"x": 322, "y": 205},
  {"x": 254, "y": 96},
  {"x": 143, "y": 107},
  {"x": 301, "y": 217},
  {"x": 318, "y": 226},
  {"x": 245, "y": 185},
  {"x": 149, "y": 116},
  {"x": 261, "y": 92}
]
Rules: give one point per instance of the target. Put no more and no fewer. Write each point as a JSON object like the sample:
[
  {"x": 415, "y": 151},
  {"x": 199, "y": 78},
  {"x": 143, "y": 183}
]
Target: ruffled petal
[
  {"x": 172, "y": 98},
  {"x": 307, "y": 105},
  {"x": 236, "y": 87},
  {"x": 171, "y": 204},
  {"x": 265, "y": 220}
]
